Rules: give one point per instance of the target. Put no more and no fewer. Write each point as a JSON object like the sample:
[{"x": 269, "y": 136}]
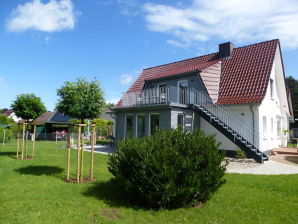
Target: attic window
[{"x": 271, "y": 88}]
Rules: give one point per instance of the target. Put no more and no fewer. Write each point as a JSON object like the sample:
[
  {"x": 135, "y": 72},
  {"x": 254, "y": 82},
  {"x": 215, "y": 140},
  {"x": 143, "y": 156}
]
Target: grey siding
[
  {"x": 194, "y": 82},
  {"x": 164, "y": 120},
  {"x": 188, "y": 118}
]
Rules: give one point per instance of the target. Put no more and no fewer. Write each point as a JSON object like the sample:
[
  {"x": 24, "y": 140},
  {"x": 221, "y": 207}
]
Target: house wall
[
  {"x": 164, "y": 120},
  {"x": 194, "y": 82},
  {"x": 274, "y": 108},
  {"x": 247, "y": 113},
  {"x": 188, "y": 118},
  {"x": 14, "y": 117}
]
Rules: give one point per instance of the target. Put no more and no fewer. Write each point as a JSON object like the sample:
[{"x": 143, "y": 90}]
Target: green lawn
[{"x": 34, "y": 191}]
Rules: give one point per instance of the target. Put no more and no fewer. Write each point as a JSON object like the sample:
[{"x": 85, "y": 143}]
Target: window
[
  {"x": 182, "y": 91},
  {"x": 154, "y": 123},
  {"x": 141, "y": 125},
  {"x": 264, "y": 126},
  {"x": 272, "y": 126},
  {"x": 271, "y": 88},
  {"x": 162, "y": 93},
  {"x": 128, "y": 128},
  {"x": 180, "y": 121},
  {"x": 278, "y": 127}
]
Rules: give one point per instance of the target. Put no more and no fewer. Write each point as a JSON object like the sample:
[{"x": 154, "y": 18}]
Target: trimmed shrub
[{"x": 170, "y": 169}]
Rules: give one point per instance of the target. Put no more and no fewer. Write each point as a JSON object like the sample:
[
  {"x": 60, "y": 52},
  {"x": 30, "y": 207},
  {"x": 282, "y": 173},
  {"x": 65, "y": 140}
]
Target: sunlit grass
[{"x": 35, "y": 191}]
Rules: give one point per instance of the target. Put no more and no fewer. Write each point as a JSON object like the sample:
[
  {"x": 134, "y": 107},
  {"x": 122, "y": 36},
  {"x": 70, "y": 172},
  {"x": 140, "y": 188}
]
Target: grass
[{"x": 34, "y": 191}]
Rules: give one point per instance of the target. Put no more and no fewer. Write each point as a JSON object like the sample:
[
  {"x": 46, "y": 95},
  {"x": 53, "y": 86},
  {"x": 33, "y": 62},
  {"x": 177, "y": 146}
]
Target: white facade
[
  {"x": 14, "y": 117},
  {"x": 270, "y": 118}
]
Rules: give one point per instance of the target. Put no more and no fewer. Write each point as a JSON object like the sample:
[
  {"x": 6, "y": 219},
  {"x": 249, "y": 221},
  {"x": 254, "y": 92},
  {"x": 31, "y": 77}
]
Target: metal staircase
[{"x": 228, "y": 124}]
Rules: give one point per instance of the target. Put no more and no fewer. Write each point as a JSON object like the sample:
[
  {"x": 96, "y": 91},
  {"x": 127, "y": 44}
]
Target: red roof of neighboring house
[{"x": 244, "y": 75}]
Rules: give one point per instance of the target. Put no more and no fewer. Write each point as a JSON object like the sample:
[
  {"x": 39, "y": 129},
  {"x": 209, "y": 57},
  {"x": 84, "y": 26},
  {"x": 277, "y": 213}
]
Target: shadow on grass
[
  {"x": 111, "y": 194},
  {"x": 8, "y": 154},
  {"x": 40, "y": 170},
  {"x": 292, "y": 159}
]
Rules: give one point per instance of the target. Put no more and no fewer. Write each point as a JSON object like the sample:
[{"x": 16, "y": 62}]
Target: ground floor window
[
  {"x": 128, "y": 128},
  {"x": 264, "y": 126},
  {"x": 180, "y": 121},
  {"x": 154, "y": 123},
  {"x": 141, "y": 125},
  {"x": 278, "y": 127}
]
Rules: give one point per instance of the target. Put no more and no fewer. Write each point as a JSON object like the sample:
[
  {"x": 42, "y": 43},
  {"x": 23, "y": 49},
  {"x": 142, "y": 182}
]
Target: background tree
[
  {"x": 110, "y": 105},
  {"x": 81, "y": 99},
  {"x": 3, "y": 110},
  {"x": 292, "y": 84},
  {"x": 28, "y": 106}
]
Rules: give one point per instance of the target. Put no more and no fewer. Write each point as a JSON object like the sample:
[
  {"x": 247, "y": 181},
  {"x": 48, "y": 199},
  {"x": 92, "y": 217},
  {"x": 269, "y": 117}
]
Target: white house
[
  {"x": 239, "y": 94},
  {"x": 12, "y": 115}
]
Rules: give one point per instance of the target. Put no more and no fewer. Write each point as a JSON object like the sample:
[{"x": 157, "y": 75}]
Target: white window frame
[
  {"x": 150, "y": 121},
  {"x": 125, "y": 124}
]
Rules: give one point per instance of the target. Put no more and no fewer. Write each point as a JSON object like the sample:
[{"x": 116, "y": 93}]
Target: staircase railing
[{"x": 227, "y": 117}]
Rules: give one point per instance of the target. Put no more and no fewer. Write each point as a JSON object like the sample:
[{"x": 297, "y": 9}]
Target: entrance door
[{"x": 182, "y": 92}]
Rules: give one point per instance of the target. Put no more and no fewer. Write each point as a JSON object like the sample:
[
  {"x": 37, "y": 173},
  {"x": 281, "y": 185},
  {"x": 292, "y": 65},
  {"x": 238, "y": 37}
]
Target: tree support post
[
  {"x": 68, "y": 153},
  {"x": 26, "y": 142},
  {"x": 78, "y": 148},
  {"x": 82, "y": 151},
  {"x": 92, "y": 151},
  {"x": 18, "y": 141},
  {"x": 23, "y": 142},
  {"x": 33, "y": 143}
]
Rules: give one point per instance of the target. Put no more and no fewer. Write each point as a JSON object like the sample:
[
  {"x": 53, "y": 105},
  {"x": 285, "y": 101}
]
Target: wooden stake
[
  {"x": 82, "y": 154},
  {"x": 68, "y": 153},
  {"x": 26, "y": 142},
  {"x": 92, "y": 152},
  {"x": 23, "y": 143},
  {"x": 78, "y": 148},
  {"x": 33, "y": 143},
  {"x": 18, "y": 141}
]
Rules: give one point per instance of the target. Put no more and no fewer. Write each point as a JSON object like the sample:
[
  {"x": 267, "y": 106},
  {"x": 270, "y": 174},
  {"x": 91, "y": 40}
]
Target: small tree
[
  {"x": 81, "y": 99},
  {"x": 28, "y": 106}
]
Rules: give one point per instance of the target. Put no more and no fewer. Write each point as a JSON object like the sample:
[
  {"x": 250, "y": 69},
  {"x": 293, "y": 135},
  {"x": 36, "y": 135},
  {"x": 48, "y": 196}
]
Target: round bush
[{"x": 170, "y": 169}]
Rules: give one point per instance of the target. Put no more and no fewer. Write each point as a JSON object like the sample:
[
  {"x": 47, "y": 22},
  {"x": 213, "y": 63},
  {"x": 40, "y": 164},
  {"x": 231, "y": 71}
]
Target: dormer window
[{"x": 271, "y": 88}]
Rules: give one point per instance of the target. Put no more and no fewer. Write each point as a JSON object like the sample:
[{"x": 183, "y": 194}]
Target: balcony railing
[{"x": 150, "y": 97}]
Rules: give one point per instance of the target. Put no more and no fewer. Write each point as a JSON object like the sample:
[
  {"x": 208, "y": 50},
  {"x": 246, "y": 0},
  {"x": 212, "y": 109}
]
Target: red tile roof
[{"x": 244, "y": 75}]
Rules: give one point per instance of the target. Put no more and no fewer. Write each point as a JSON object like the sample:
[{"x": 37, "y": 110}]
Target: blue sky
[{"x": 44, "y": 43}]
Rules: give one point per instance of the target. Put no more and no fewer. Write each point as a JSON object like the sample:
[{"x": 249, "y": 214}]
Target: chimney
[{"x": 225, "y": 49}]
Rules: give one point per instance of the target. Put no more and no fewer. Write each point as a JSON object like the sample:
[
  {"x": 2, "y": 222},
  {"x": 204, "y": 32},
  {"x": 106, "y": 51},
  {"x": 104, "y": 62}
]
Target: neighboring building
[
  {"x": 238, "y": 93},
  {"x": 49, "y": 123},
  {"x": 11, "y": 114},
  {"x": 107, "y": 115}
]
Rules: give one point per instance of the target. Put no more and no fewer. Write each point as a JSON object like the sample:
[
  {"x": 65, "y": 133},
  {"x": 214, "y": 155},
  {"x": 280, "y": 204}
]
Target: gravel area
[
  {"x": 271, "y": 167},
  {"x": 103, "y": 149}
]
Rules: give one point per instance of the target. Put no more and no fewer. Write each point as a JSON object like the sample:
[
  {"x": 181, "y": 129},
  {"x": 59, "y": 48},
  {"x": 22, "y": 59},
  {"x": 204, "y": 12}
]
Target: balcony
[{"x": 161, "y": 95}]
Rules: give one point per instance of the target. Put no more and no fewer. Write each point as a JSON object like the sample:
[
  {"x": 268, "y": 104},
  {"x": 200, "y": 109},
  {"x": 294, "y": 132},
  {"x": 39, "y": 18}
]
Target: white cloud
[
  {"x": 1, "y": 80},
  {"x": 239, "y": 21},
  {"x": 55, "y": 15},
  {"x": 126, "y": 79},
  {"x": 113, "y": 100}
]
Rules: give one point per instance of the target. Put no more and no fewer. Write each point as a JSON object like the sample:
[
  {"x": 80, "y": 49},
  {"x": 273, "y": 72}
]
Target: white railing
[
  {"x": 227, "y": 117},
  {"x": 150, "y": 96}
]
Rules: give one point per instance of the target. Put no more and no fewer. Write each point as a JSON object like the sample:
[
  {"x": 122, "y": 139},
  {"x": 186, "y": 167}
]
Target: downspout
[{"x": 253, "y": 123}]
